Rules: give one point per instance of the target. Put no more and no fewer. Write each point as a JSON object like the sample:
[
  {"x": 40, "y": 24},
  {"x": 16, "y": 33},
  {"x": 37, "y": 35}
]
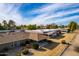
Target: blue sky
[{"x": 40, "y": 13}]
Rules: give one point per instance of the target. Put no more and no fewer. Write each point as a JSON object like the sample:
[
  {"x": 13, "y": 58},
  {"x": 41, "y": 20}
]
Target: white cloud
[
  {"x": 37, "y": 20},
  {"x": 50, "y": 7},
  {"x": 10, "y": 11},
  {"x": 43, "y": 18},
  {"x": 64, "y": 20}
]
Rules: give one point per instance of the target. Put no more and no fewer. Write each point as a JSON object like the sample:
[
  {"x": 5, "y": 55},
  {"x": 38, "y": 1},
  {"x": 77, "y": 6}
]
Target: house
[
  {"x": 53, "y": 32},
  {"x": 18, "y": 38},
  {"x": 65, "y": 30},
  {"x": 12, "y": 40}
]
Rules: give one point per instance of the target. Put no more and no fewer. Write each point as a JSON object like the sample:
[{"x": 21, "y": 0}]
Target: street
[{"x": 71, "y": 49}]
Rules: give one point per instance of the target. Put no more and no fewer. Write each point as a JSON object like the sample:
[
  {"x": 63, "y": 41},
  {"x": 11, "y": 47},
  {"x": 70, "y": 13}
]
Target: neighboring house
[
  {"x": 14, "y": 39},
  {"x": 65, "y": 30},
  {"x": 53, "y": 33}
]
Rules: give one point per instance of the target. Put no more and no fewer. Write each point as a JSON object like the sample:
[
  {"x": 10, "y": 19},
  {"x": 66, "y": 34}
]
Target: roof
[
  {"x": 37, "y": 35},
  {"x": 17, "y": 36},
  {"x": 42, "y": 30},
  {"x": 50, "y": 33},
  {"x": 11, "y": 37}
]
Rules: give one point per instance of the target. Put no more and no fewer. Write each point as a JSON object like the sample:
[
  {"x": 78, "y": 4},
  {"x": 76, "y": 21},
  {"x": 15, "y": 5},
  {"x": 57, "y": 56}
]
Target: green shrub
[
  {"x": 35, "y": 46},
  {"x": 63, "y": 42},
  {"x": 25, "y": 52},
  {"x": 18, "y": 53}
]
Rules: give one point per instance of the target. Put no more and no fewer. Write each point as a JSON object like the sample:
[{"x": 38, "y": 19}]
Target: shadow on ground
[
  {"x": 59, "y": 37},
  {"x": 41, "y": 49},
  {"x": 51, "y": 45},
  {"x": 30, "y": 54}
]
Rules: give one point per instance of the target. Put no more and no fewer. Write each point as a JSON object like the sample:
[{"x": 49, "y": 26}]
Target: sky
[{"x": 39, "y": 13}]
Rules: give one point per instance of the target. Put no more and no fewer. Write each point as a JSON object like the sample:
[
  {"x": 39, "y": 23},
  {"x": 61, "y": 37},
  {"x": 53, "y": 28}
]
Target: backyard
[{"x": 59, "y": 48}]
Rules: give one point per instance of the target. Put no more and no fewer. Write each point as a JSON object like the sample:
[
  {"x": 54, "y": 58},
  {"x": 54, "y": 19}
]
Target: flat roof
[
  {"x": 41, "y": 30},
  {"x": 18, "y": 35}
]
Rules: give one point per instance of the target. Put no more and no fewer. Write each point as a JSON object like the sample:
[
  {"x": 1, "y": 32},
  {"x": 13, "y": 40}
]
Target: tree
[
  {"x": 73, "y": 26},
  {"x": 39, "y": 27},
  {"x": 52, "y": 26},
  {"x": 62, "y": 26},
  {"x": 5, "y": 25},
  {"x": 49, "y": 26},
  {"x": 1, "y": 27},
  {"x": 23, "y": 27},
  {"x": 32, "y": 27},
  {"x": 18, "y": 27},
  {"x": 55, "y": 26},
  {"x": 11, "y": 24}
]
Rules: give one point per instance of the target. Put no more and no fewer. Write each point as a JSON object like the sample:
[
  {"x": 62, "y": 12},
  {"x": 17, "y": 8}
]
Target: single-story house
[{"x": 16, "y": 38}]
